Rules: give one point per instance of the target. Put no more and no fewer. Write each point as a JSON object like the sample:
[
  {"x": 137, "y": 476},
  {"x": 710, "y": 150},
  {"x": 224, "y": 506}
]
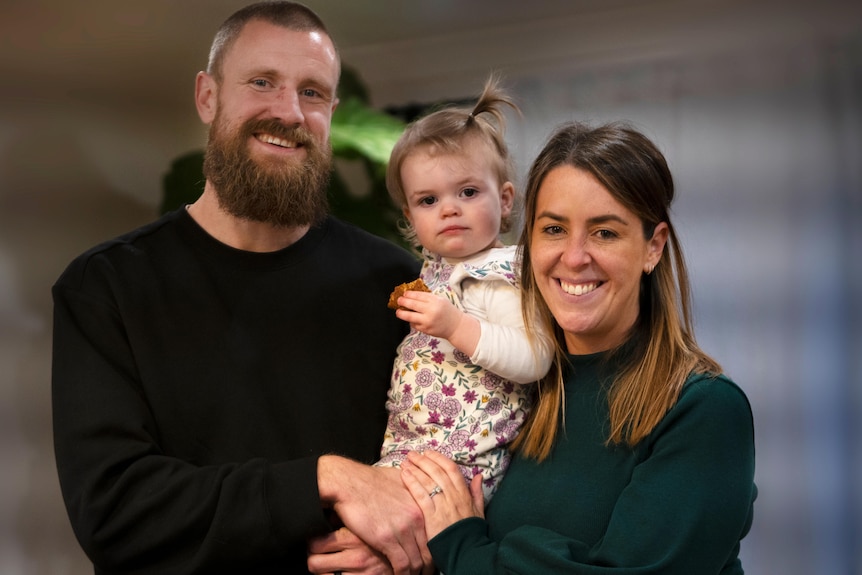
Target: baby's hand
[{"x": 430, "y": 313}]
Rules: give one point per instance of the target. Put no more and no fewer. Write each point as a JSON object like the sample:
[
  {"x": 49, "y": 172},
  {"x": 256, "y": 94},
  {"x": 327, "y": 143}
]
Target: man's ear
[{"x": 206, "y": 97}]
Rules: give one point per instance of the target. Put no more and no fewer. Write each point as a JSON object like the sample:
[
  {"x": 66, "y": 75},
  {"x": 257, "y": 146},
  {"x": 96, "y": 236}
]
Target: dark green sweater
[{"x": 676, "y": 504}]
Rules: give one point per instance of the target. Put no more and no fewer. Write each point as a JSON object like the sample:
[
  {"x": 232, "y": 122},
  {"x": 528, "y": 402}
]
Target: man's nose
[{"x": 286, "y": 107}]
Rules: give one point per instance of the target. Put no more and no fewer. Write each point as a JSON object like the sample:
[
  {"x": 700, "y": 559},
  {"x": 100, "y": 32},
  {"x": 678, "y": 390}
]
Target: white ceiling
[{"x": 146, "y": 52}]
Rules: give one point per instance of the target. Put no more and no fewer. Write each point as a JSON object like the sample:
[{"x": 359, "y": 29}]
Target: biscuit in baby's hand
[{"x": 415, "y": 285}]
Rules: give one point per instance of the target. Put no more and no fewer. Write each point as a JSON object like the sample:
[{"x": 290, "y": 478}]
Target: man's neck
[{"x": 237, "y": 233}]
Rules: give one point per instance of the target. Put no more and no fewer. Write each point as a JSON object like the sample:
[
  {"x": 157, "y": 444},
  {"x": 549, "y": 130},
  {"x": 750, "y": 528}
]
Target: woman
[{"x": 638, "y": 456}]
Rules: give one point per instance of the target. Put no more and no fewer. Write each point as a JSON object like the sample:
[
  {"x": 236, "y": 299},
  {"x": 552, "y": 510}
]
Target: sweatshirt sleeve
[
  {"x": 135, "y": 508},
  {"x": 504, "y": 346},
  {"x": 686, "y": 508}
]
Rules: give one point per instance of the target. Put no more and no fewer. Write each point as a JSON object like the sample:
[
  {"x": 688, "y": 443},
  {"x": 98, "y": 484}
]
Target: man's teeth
[
  {"x": 276, "y": 141},
  {"x": 578, "y": 289}
]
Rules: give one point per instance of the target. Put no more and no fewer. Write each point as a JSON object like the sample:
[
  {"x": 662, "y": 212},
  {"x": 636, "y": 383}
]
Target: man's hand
[
  {"x": 374, "y": 505},
  {"x": 342, "y": 551}
]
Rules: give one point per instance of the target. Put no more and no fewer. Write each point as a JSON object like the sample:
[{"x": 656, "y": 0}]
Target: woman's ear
[
  {"x": 206, "y": 97},
  {"x": 655, "y": 246}
]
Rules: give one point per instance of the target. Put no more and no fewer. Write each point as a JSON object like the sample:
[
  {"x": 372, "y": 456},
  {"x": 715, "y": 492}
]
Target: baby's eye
[
  {"x": 469, "y": 192},
  {"x": 427, "y": 201}
]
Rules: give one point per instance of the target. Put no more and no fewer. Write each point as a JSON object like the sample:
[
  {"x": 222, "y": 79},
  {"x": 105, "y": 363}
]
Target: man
[{"x": 215, "y": 370}]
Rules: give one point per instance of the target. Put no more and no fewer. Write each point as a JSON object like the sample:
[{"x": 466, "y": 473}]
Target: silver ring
[{"x": 437, "y": 489}]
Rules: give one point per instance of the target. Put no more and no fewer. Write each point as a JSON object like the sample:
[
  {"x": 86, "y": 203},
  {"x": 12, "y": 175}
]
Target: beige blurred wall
[{"x": 70, "y": 177}]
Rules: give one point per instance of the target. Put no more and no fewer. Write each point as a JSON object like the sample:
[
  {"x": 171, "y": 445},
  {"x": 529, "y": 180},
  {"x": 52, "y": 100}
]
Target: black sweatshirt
[{"x": 195, "y": 386}]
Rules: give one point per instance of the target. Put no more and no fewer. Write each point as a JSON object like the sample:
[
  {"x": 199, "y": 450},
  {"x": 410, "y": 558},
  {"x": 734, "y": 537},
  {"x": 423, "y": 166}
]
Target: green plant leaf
[{"x": 360, "y": 131}]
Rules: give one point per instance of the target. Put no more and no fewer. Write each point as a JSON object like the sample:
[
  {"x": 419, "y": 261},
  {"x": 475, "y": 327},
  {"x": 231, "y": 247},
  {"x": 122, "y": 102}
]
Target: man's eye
[
  {"x": 309, "y": 93},
  {"x": 260, "y": 83}
]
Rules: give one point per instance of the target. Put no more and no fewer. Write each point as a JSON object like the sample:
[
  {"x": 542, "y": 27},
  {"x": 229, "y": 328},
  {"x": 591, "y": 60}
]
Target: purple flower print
[
  {"x": 462, "y": 357},
  {"x": 406, "y": 402},
  {"x": 433, "y": 400},
  {"x": 494, "y": 406},
  {"x": 505, "y": 428},
  {"x": 407, "y": 354},
  {"x": 491, "y": 381},
  {"x": 424, "y": 377},
  {"x": 434, "y": 417},
  {"x": 438, "y": 357},
  {"x": 459, "y": 438},
  {"x": 470, "y": 396},
  {"x": 470, "y": 445},
  {"x": 451, "y": 407},
  {"x": 434, "y": 343},
  {"x": 421, "y": 340},
  {"x": 448, "y": 423},
  {"x": 394, "y": 459},
  {"x": 445, "y": 449},
  {"x": 449, "y": 390}
]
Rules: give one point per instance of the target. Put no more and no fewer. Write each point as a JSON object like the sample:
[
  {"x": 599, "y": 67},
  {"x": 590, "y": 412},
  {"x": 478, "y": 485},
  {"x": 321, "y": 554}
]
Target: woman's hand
[
  {"x": 438, "y": 487},
  {"x": 343, "y": 552}
]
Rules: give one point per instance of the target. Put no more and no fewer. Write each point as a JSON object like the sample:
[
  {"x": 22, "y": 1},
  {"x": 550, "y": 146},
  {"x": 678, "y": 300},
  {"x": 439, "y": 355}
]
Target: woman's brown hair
[{"x": 661, "y": 351}]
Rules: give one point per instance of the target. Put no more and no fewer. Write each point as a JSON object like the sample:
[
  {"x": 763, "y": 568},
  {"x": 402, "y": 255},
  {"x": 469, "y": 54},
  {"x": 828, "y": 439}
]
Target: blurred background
[{"x": 757, "y": 104}]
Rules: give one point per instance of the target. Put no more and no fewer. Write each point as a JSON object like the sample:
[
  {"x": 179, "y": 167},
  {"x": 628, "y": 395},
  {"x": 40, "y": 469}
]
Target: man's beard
[{"x": 270, "y": 190}]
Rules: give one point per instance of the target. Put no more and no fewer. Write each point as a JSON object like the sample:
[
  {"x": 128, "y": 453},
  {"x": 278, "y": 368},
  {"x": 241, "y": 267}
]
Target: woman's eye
[
  {"x": 606, "y": 234},
  {"x": 552, "y": 230}
]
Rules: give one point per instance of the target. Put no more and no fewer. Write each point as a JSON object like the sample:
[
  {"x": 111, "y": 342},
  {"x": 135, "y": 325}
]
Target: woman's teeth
[{"x": 578, "y": 289}]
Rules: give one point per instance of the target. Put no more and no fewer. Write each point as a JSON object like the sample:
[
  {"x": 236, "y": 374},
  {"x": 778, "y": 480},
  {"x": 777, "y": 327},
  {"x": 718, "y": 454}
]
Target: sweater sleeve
[
  {"x": 686, "y": 508},
  {"x": 135, "y": 508},
  {"x": 504, "y": 346}
]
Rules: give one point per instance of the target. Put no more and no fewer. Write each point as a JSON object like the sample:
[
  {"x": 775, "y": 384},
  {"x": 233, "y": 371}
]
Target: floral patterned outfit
[{"x": 468, "y": 408}]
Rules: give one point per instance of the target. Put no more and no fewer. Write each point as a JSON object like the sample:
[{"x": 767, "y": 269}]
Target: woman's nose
[{"x": 576, "y": 253}]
